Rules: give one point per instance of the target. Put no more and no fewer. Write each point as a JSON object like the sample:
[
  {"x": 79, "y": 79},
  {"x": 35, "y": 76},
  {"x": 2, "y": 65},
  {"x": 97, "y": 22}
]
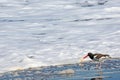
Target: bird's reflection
[{"x": 96, "y": 79}]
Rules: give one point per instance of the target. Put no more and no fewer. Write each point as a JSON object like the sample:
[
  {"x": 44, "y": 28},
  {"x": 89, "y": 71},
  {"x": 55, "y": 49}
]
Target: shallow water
[{"x": 49, "y": 32}]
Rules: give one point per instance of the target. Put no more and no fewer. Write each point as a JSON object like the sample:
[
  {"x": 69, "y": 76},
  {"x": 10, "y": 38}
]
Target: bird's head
[{"x": 88, "y": 54}]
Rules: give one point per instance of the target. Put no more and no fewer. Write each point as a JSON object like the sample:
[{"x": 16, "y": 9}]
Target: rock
[{"x": 68, "y": 71}]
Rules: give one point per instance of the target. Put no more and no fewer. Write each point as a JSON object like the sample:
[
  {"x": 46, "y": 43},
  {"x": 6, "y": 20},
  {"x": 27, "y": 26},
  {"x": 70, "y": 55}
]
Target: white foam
[
  {"x": 43, "y": 33},
  {"x": 113, "y": 9}
]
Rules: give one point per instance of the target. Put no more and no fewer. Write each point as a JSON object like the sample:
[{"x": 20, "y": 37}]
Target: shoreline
[
  {"x": 40, "y": 67},
  {"x": 88, "y": 70}
]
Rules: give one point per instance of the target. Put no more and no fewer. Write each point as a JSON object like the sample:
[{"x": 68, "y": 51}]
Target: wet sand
[{"x": 110, "y": 70}]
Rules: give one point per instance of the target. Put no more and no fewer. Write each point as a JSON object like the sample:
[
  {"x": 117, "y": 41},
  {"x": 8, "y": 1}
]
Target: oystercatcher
[{"x": 96, "y": 56}]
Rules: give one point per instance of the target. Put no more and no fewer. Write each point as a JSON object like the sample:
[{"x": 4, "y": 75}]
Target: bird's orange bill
[
  {"x": 85, "y": 56},
  {"x": 81, "y": 60}
]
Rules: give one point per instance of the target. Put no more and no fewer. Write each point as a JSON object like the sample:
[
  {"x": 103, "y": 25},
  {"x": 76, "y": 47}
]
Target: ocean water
[{"x": 50, "y": 32}]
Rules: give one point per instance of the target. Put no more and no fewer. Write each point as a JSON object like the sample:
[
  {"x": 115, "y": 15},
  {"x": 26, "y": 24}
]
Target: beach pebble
[{"x": 67, "y": 71}]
